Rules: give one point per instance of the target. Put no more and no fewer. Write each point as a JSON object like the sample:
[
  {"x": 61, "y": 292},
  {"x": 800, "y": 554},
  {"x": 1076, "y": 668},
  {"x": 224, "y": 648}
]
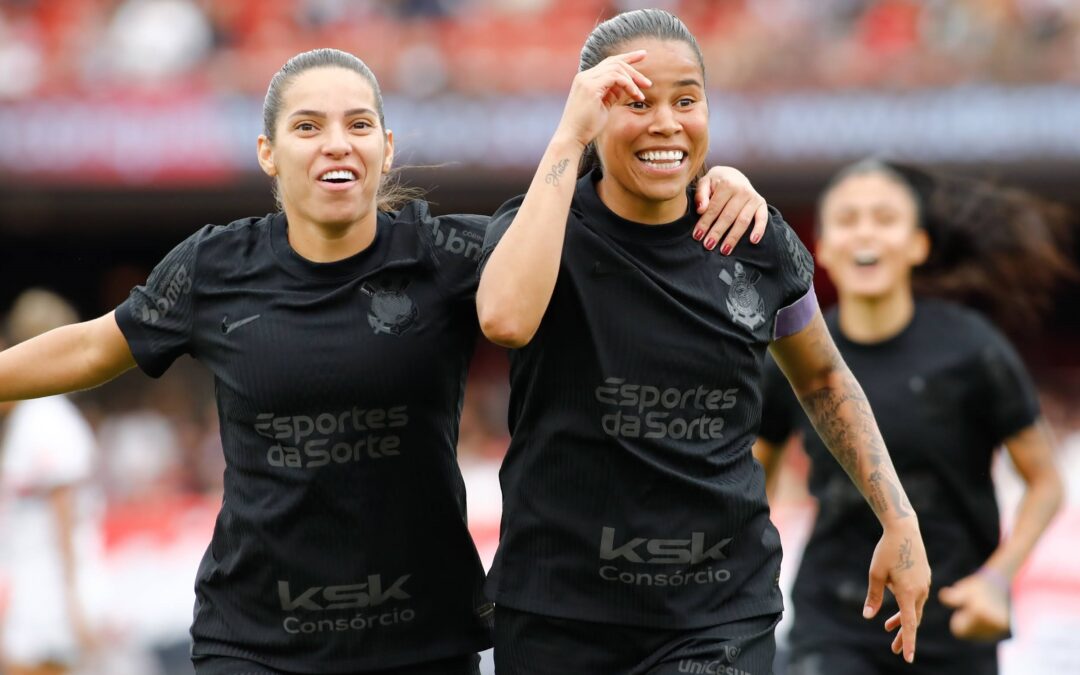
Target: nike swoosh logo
[{"x": 227, "y": 327}]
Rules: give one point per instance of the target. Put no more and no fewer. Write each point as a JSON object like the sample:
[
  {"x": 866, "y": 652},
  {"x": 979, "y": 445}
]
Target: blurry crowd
[{"x": 483, "y": 47}]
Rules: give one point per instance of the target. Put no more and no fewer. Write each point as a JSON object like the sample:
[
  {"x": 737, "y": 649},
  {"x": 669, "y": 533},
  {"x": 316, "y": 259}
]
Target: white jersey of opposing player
[{"x": 46, "y": 444}]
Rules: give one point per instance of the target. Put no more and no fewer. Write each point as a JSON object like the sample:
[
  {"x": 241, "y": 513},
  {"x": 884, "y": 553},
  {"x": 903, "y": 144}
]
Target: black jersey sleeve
[
  {"x": 798, "y": 301},
  {"x": 1009, "y": 399},
  {"x": 500, "y": 223},
  {"x": 457, "y": 242},
  {"x": 156, "y": 318},
  {"x": 780, "y": 408}
]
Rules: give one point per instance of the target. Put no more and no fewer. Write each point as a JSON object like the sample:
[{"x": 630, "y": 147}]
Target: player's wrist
[
  {"x": 565, "y": 143},
  {"x": 901, "y": 525},
  {"x": 995, "y": 578}
]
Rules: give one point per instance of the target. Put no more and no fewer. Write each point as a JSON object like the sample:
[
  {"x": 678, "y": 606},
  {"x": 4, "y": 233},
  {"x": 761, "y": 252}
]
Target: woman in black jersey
[
  {"x": 947, "y": 389},
  {"x": 636, "y": 534},
  {"x": 339, "y": 333}
]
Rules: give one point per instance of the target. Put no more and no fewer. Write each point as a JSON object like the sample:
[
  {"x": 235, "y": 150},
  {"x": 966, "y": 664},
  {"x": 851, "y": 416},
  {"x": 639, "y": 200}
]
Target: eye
[
  {"x": 685, "y": 102},
  {"x": 845, "y": 218},
  {"x": 636, "y": 105},
  {"x": 362, "y": 125},
  {"x": 305, "y": 126},
  {"x": 886, "y": 216}
]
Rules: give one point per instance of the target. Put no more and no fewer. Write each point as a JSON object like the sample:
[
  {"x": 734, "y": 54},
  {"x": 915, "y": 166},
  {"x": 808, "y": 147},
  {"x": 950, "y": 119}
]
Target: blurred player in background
[
  {"x": 339, "y": 333},
  {"x": 947, "y": 389},
  {"x": 49, "y": 515},
  {"x": 636, "y": 535}
]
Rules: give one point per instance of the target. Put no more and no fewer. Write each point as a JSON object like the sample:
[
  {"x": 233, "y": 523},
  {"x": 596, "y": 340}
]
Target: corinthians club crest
[
  {"x": 743, "y": 301},
  {"x": 392, "y": 312}
]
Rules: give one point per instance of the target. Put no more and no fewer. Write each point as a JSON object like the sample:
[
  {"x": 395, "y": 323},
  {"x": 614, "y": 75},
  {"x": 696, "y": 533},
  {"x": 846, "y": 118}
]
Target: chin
[
  {"x": 869, "y": 293},
  {"x": 663, "y": 191},
  {"x": 339, "y": 218}
]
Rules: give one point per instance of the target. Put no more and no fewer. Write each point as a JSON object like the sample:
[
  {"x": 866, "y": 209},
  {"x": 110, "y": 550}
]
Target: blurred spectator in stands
[
  {"x": 51, "y": 516},
  {"x": 21, "y": 57},
  {"x": 906, "y": 44},
  {"x": 152, "y": 41}
]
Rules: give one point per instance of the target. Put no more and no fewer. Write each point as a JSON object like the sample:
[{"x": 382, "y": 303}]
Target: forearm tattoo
[
  {"x": 557, "y": 171},
  {"x": 842, "y": 417}
]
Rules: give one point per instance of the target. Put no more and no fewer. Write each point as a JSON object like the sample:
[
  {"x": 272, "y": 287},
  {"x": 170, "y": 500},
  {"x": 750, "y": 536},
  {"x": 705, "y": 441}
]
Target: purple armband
[{"x": 795, "y": 317}]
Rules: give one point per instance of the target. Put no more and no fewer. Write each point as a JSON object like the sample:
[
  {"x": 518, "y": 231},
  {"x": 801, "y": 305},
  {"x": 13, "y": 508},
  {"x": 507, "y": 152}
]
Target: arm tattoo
[
  {"x": 906, "y": 562},
  {"x": 842, "y": 417},
  {"x": 557, "y": 171}
]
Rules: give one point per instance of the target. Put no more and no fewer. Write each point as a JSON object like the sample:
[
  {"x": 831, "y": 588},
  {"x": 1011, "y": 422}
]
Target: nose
[
  {"x": 863, "y": 229},
  {"x": 664, "y": 122},
  {"x": 336, "y": 143}
]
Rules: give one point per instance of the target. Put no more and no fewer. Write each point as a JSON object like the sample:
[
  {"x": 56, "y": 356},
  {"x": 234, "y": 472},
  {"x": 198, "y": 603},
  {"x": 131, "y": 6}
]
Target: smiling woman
[
  {"x": 636, "y": 535},
  {"x": 949, "y": 390},
  {"x": 326, "y": 144},
  {"x": 339, "y": 333}
]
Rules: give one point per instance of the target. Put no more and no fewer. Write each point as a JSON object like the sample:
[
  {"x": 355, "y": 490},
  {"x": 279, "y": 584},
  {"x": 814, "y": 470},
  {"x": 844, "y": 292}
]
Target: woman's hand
[
  {"x": 899, "y": 564},
  {"x": 728, "y": 203},
  {"x": 594, "y": 92},
  {"x": 981, "y": 604}
]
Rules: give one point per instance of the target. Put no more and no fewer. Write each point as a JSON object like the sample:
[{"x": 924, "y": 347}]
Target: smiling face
[
  {"x": 651, "y": 150},
  {"x": 329, "y": 150},
  {"x": 870, "y": 236}
]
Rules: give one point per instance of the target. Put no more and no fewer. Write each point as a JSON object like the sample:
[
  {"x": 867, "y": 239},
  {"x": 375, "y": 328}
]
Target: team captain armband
[{"x": 795, "y": 317}]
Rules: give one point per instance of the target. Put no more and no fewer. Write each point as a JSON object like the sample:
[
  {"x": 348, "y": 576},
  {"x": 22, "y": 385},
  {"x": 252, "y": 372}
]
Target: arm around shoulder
[{"x": 69, "y": 358}]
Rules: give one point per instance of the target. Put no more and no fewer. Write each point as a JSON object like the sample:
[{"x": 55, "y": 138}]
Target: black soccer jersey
[
  {"x": 946, "y": 391},
  {"x": 341, "y": 544},
  {"x": 630, "y": 494}
]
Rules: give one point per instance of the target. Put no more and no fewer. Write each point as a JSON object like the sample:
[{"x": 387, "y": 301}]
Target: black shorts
[
  {"x": 855, "y": 660},
  {"x": 225, "y": 665},
  {"x": 532, "y": 644}
]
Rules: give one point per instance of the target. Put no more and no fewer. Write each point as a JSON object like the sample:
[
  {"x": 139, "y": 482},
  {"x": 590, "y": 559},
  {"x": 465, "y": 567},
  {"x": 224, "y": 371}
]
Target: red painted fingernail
[
  {"x": 698, "y": 234},
  {"x": 710, "y": 244},
  {"x": 725, "y": 249}
]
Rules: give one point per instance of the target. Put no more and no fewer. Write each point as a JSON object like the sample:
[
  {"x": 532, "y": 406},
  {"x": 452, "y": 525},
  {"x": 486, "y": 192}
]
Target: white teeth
[
  {"x": 865, "y": 258},
  {"x": 338, "y": 174},
  {"x": 675, "y": 156}
]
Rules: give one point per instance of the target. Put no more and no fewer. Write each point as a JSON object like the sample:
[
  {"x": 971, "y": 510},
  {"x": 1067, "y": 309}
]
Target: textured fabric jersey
[
  {"x": 341, "y": 544},
  {"x": 630, "y": 495},
  {"x": 946, "y": 392}
]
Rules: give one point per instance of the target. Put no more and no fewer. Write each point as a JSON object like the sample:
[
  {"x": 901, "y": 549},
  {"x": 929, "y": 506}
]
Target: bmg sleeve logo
[{"x": 152, "y": 308}]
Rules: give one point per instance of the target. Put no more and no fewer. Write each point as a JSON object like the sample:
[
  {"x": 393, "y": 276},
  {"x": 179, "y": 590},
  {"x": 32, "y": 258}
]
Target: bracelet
[{"x": 995, "y": 578}]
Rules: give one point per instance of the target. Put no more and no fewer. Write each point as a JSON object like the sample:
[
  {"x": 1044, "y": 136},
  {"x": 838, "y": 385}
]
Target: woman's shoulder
[
  {"x": 453, "y": 236},
  {"x": 964, "y": 327},
  {"x": 953, "y": 315},
  {"x": 227, "y": 234}
]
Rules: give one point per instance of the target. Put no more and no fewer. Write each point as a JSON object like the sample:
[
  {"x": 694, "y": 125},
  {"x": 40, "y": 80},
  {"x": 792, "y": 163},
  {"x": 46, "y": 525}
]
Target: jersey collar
[
  {"x": 397, "y": 243},
  {"x": 595, "y": 213}
]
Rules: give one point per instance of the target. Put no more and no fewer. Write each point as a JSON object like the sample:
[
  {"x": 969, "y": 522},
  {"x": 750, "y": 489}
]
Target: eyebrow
[
  {"x": 689, "y": 82},
  {"x": 318, "y": 113}
]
